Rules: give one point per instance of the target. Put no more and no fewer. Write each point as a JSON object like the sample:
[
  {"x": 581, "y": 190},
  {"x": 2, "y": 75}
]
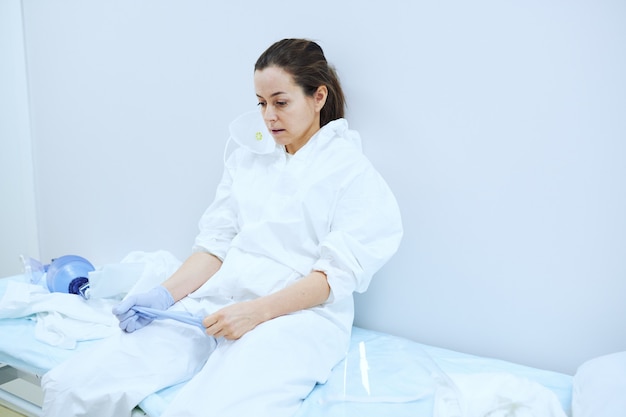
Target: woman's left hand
[{"x": 233, "y": 321}]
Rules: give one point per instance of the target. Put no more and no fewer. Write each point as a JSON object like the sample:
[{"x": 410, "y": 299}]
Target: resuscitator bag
[
  {"x": 66, "y": 274},
  {"x": 72, "y": 274},
  {"x": 137, "y": 272}
]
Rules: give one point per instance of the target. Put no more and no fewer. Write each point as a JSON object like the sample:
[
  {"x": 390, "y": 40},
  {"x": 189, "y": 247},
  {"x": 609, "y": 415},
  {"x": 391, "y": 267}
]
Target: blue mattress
[{"x": 382, "y": 375}]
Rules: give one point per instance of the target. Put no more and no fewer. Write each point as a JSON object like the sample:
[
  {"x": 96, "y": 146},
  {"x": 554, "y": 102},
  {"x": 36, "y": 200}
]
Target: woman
[{"x": 293, "y": 231}]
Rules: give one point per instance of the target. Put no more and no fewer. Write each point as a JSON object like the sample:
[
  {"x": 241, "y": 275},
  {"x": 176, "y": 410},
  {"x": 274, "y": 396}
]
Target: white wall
[
  {"x": 500, "y": 126},
  {"x": 18, "y": 224}
]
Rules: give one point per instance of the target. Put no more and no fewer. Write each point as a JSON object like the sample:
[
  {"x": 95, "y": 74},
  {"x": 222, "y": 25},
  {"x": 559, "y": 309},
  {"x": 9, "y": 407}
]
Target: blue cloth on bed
[
  {"x": 401, "y": 379},
  {"x": 381, "y": 375}
]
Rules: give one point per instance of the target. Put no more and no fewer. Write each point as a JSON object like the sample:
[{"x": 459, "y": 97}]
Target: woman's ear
[{"x": 320, "y": 96}]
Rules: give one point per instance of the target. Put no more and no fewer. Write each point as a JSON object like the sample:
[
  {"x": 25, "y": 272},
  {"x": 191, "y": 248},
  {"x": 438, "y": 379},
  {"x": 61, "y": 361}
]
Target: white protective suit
[{"x": 275, "y": 218}]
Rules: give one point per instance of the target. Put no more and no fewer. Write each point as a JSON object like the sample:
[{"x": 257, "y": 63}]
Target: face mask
[{"x": 249, "y": 131}]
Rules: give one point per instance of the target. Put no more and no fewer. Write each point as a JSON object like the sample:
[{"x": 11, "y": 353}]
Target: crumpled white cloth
[
  {"x": 599, "y": 387},
  {"x": 495, "y": 395},
  {"x": 62, "y": 319}
]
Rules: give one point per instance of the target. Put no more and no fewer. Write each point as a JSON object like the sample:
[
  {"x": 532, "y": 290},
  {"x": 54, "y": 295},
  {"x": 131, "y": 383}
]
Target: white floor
[
  {"x": 22, "y": 389},
  {"x": 5, "y": 412}
]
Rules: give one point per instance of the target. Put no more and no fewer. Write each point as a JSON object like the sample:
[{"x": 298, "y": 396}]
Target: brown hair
[{"x": 305, "y": 61}]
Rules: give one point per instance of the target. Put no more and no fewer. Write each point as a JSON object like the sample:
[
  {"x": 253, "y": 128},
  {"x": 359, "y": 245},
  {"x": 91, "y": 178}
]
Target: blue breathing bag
[{"x": 66, "y": 274}]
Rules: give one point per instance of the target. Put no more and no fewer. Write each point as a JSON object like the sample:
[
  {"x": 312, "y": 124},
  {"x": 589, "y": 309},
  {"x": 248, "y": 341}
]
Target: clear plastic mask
[{"x": 249, "y": 131}]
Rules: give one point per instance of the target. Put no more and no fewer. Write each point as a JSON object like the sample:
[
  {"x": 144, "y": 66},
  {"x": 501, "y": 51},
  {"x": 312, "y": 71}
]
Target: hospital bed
[{"x": 382, "y": 375}]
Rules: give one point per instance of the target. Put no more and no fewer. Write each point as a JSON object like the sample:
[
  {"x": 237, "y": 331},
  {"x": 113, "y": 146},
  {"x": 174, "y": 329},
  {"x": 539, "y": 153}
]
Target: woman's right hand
[{"x": 158, "y": 298}]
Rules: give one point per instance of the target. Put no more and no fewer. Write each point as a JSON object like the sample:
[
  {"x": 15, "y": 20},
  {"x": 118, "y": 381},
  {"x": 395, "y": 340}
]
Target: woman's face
[{"x": 291, "y": 116}]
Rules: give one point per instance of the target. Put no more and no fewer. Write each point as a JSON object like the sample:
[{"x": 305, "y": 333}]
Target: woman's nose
[{"x": 270, "y": 114}]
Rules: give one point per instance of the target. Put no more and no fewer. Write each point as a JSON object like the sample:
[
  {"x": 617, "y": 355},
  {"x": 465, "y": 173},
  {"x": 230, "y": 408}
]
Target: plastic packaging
[
  {"x": 380, "y": 375},
  {"x": 114, "y": 280},
  {"x": 33, "y": 269}
]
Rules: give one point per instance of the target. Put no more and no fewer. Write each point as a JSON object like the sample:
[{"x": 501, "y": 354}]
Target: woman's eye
[
  {"x": 281, "y": 103},
  {"x": 261, "y": 104}
]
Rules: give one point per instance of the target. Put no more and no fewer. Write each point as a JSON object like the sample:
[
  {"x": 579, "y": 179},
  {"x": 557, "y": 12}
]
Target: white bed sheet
[{"x": 381, "y": 375}]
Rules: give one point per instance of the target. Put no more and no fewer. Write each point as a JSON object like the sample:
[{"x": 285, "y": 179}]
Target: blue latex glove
[{"x": 158, "y": 298}]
